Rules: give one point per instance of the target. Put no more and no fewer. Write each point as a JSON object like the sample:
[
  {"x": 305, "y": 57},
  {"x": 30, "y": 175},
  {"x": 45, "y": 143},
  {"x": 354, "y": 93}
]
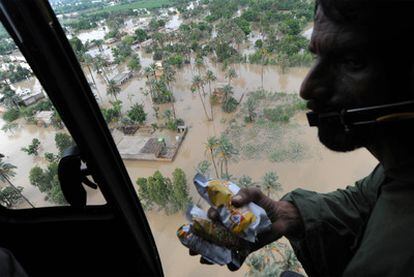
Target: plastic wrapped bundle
[
  {"x": 209, "y": 239},
  {"x": 245, "y": 222}
]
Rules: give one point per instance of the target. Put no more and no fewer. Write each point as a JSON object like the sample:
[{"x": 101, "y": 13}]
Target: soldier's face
[{"x": 349, "y": 72}]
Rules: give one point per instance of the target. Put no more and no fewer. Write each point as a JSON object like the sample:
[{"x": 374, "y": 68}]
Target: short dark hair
[{"x": 370, "y": 13}]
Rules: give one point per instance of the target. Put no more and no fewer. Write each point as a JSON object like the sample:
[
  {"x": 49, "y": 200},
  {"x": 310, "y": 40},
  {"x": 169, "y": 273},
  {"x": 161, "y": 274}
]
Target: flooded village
[{"x": 198, "y": 86}]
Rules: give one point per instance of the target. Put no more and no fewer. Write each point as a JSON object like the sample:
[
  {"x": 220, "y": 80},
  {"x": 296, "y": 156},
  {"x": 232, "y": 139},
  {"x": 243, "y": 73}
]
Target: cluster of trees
[
  {"x": 137, "y": 114},
  {"x": 269, "y": 183},
  {"x": 281, "y": 113},
  {"x": 221, "y": 152},
  {"x": 14, "y": 111},
  {"x": 113, "y": 113},
  {"x": 33, "y": 148},
  {"x": 170, "y": 195},
  {"x": 70, "y": 6},
  {"x": 280, "y": 23},
  {"x": 6, "y": 46},
  {"x": 155, "y": 24},
  {"x": 15, "y": 73},
  {"x": 10, "y": 195},
  {"x": 46, "y": 180}
]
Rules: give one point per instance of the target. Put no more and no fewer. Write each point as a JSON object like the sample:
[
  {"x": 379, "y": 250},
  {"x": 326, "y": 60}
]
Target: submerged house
[
  {"x": 122, "y": 78},
  {"x": 28, "y": 96}
]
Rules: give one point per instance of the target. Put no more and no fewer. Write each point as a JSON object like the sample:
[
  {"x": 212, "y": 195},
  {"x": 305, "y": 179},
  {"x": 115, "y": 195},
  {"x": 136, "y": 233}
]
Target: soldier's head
[{"x": 364, "y": 57}]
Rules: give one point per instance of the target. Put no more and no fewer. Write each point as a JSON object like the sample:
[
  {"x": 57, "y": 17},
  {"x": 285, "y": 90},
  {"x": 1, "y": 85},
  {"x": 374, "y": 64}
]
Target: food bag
[
  {"x": 209, "y": 239},
  {"x": 245, "y": 222}
]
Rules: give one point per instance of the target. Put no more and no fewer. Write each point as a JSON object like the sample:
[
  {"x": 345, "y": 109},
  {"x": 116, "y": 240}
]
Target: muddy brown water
[{"x": 323, "y": 171}]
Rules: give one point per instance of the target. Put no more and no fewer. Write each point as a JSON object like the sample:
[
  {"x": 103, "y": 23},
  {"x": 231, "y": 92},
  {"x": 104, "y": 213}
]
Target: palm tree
[
  {"x": 99, "y": 43},
  {"x": 10, "y": 98},
  {"x": 148, "y": 72},
  {"x": 245, "y": 181},
  {"x": 134, "y": 63},
  {"x": 100, "y": 63},
  {"x": 9, "y": 127},
  {"x": 169, "y": 77},
  {"x": 265, "y": 54},
  {"x": 227, "y": 92},
  {"x": 113, "y": 89},
  {"x": 211, "y": 145},
  {"x": 196, "y": 86},
  {"x": 88, "y": 61},
  {"x": 6, "y": 173},
  {"x": 199, "y": 63},
  {"x": 231, "y": 74},
  {"x": 270, "y": 183},
  {"x": 210, "y": 77},
  {"x": 226, "y": 153},
  {"x": 153, "y": 70}
]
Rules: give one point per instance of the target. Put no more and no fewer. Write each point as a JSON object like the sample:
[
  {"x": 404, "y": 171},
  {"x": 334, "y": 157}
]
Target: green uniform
[{"x": 364, "y": 230}]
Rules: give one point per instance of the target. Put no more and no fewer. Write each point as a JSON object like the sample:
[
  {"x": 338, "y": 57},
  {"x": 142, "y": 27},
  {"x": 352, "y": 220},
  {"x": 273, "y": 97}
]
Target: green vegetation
[
  {"x": 33, "y": 148},
  {"x": 29, "y": 112},
  {"x": 112, "y": 114},
  {"x": 6, "y": 46},
  {"x": 137, "y": 114},
  {"x": 11, "y": 115},
  {"x": 270, "y": 132},
  {"x": 226, "y": 152},
  {"x": 10, "y": 98},
  {"x": 15, "y": 73},
  {"x": 245, "y": 181},
  {"x": 203, "y": 168},
  {"x": 121, "y": 52},
  {"x": 270, "y": 183},
  {"x": 7, "y": 171},
  {"x": 172, "y": 196},
  {"x": 143, "y": 4},
  {"x": 230, "y": 103},
  {"x": 113, "y": 89},
  {"x": 46, "y": 180},
  {"x": 291, "y": 152},
  {"x": 134, "y": 63},
  {"x": 63, "y": 141},
  {"x": 10, "y": 196},
  {"x": 179, "y": 193},
  {"x": 9, "y": 127}
]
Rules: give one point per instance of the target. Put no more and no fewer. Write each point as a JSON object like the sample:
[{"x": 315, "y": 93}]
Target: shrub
[
  {"x": 11, "y": 115},
  {"x": 230, "y": 105},
  {"x": 137, "y": 113}
]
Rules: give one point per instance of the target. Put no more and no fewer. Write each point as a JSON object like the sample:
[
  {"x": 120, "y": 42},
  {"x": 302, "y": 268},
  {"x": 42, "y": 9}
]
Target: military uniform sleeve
[{"x": 333, "y": 223}]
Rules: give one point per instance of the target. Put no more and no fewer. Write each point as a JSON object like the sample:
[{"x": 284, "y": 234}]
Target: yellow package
[{"x": 220, "y": 195}]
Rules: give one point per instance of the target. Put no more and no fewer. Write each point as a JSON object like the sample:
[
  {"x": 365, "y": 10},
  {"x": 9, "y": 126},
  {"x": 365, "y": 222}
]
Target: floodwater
[
  {"x": 322, "y": 171},
  {"x": 95, "y": 34},
  {"x": 174, "y": 23}
]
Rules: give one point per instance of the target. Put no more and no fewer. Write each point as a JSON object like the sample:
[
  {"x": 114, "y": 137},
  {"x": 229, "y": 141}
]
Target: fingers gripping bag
[
  {"x": 246, "y": 222},
  {"x": 211, "y": 240}
]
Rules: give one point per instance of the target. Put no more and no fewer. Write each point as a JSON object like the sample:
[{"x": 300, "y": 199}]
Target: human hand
[{"x": 284, "y": 216}]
